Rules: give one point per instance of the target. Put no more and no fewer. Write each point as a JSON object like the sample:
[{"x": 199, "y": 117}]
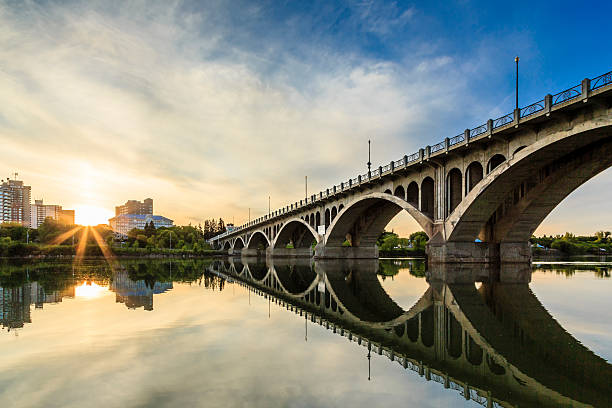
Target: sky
[{"x": 211, "y": 107}]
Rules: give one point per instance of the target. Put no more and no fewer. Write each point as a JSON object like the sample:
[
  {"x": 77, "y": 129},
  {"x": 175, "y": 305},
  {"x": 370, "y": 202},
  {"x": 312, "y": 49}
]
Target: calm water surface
[{"x": 301, "y": 334}]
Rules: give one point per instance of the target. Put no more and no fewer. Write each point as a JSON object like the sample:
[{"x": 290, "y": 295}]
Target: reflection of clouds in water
[
  {"x": 405, "y": 289},
  {"x": 199, "y": 350},
  {"x": 580, "y": 303}
]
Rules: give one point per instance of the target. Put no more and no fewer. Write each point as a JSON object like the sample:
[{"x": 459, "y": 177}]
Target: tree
[{"x": 149, "y": 229}]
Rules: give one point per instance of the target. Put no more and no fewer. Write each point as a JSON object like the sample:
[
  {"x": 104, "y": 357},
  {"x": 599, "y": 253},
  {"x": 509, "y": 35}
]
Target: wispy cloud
[{"x": 211, "y": 108}]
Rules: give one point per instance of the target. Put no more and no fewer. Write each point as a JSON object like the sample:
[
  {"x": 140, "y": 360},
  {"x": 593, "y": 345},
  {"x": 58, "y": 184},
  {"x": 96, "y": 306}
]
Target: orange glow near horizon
[
  {"x": 80, "y": 252},
  {"x": 90, "y": 215},
  {"x": 103, "y": 247},
  {"x": 65, "y": 236}
]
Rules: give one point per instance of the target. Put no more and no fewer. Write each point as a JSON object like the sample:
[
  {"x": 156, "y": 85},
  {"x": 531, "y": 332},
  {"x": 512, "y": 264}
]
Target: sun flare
[
  {"x": 89, "y": 290},
  {"x": 90, "y": 215}
]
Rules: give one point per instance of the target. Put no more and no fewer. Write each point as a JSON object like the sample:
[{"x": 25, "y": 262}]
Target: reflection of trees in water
[
  {"x": 391, "y": 267},
  {"x": 600, "y": 271}
]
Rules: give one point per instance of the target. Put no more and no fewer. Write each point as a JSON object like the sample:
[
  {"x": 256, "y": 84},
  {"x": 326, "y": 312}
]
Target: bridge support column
[
  {"x": 253, "y": 252},
  {"x": 478, "y": 252},
  {"x": 342, "y": 252},
  {"x": 289, "y": 252}
]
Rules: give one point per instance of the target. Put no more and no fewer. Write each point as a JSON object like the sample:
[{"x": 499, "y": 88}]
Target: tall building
[
  {"x": 135, "y": 207},
  {"x": 40, "y": 211},
  {"x": 15, "y": 202}
]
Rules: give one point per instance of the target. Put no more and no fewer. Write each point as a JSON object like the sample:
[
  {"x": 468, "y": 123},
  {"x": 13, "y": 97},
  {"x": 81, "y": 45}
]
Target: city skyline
[{"x": 107, "y": 102}]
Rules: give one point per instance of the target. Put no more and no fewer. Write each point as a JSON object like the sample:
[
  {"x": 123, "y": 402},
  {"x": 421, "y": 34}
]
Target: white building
[
  {"x": 124, "y": 223},
  {"x": 40, "y": 211}
]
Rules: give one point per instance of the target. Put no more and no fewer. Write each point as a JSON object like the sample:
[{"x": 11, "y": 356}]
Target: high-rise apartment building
[
  {"x": 40, "y": 211},
  {"x": 135, "y": 207},
  {"x": 15, "y": 202}
]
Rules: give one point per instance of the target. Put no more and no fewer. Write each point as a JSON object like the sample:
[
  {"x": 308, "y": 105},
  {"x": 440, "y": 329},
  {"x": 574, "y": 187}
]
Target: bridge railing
[
  {"x": 570, "y": 94},
  {"x": 437, "y": 147},
  {"x": 479, "y": 130},
  {"x": 533, "y": 108},
  {"x": 456, "y": 140},
  {"x": 602, "y": 80}
]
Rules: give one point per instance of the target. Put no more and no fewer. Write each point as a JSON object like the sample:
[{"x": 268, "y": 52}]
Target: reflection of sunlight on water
[{"x": 89, "y": 290}]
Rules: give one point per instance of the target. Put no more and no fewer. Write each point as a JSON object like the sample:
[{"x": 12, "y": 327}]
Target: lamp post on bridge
[
  {"x": 369, "y": 159},
  {"x": 516, "y": 60}
]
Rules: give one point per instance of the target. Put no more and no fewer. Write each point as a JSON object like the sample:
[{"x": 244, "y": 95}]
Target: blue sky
[{"x": 209, "y": 107}]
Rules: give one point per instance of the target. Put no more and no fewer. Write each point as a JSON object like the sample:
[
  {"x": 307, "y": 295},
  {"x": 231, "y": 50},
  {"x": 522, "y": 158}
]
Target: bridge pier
[
  {"x": 345, "y": 252},
  {"x": 478, "y": 252},
  {"x": 289, "y": 252},
  {"x": 253, "y": 252}
]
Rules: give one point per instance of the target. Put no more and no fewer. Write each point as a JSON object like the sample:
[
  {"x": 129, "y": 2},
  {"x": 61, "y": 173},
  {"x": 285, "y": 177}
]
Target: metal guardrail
[
  {"x": 479, "y": 130},
  {"x": 437, "y": 147},
  {"x": 529, "y": 110},
  {"x": 568, "y": 94},
  {"x": 504, "y": 120},
  {"x": 533, "y": 108},
  {"x": 456, "y": 140},
  {"x": 602, "y": 80}
]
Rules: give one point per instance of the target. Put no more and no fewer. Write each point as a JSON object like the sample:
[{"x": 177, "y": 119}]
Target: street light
[
  {"x": 516, "y": 59},
  {"x": 369, "y": 159}
]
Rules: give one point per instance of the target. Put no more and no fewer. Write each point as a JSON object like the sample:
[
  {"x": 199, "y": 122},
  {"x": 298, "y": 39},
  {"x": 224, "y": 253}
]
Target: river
[{"x": 237, "y": 333}]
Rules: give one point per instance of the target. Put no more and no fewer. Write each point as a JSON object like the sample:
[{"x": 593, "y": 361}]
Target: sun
[
  {"x": 89, "y": 290},
  {"x": 90, "y": 215}
]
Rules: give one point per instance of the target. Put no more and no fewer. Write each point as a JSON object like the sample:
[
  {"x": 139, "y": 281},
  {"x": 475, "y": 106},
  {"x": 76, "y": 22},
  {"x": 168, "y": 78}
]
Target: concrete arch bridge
[
  {"x": 479, "y": 195},
  {"x": 478, "y": 331}
]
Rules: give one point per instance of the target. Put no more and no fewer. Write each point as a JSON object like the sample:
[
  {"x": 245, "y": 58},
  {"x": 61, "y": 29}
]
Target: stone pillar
[
  {"x": 343, "y": 252},
  {"x": 478, "y": 252}
]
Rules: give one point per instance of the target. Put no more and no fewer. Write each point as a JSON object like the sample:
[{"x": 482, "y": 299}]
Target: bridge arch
[
  {"x": 258, "y": 240},
  {"x": 227, "y": 246},
  {"x": 365, "y": 219},
  {"x": 473, "y": 174},
  {"x": 334, "y": 213},
  {"x": 296, "y": 232},
  {"x": 238, "y": 243},
  {"x": 495, "y": 161},
  {"x": 453, "y": 190},
  {"x": 412, "y": 194},
  {"x": 399, "y": 192},
  {"x": 327, "y": 218},
  {"x": 515, "y": 198},
  {"x": 428, "y": 197}
]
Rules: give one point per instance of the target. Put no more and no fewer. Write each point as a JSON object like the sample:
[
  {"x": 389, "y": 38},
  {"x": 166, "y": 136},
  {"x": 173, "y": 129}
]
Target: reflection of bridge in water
[{"x": 494, "y": 343}]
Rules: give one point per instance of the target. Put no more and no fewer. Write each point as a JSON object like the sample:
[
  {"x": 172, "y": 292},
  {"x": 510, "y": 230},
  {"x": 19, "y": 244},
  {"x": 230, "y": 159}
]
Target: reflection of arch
[
  {"x": 399, "y": 192},
  {"x": 453, "y": 190},
  {"x": 297, "y": 232},
  {"x": 365, "y": 219},
  {"x": 412, "y": 194},
  {"x": 495, "y": 161},
  {"x": 258, "y": 240},
  {"x": 296, "y": 280},
  {"x": 473, "y": 175},
  {"x": 259, "y": 272},
  {"x": 427, "y": 197}
]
